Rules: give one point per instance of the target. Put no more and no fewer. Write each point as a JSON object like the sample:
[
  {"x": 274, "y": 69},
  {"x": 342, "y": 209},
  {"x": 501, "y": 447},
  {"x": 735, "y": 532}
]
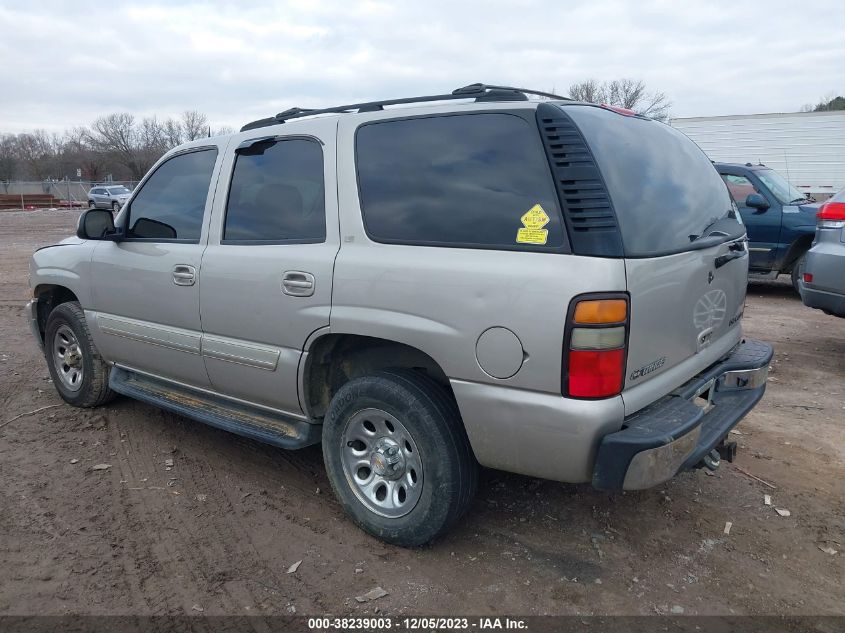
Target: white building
[{"x": 807, "y": 148}]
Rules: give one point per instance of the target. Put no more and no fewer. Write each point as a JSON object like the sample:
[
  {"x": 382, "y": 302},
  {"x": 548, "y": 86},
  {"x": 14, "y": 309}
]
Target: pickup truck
[{"x": 780, "y": 220}]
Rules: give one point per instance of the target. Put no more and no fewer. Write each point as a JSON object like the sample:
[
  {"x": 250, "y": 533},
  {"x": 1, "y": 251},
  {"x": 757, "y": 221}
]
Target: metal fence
[{"x": 67, "y": 191}]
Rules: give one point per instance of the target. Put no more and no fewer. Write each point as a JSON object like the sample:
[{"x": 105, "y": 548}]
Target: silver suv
[
  {"x": 108, "y": 197},
  {"x": 548, "y": 287}
]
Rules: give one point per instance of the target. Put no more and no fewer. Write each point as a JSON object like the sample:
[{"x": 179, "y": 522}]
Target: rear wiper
[
  {"x": 804, "y": 199},
  {"x": 714, "y": 239},
  {"x": 705, "y": 239}
]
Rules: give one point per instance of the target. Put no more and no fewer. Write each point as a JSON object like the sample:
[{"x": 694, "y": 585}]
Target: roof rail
[{"x": 480, "y": 92}]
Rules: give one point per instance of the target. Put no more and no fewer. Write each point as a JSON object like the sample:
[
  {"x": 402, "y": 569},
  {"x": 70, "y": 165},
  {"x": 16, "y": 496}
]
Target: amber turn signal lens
[{"x": 601, "y": 311}]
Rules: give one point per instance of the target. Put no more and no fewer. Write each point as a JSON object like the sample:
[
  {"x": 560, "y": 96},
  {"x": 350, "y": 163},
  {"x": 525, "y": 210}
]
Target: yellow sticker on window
[
  {"x": 533, "y": 222},
  {"x": 532, "y": 236}
]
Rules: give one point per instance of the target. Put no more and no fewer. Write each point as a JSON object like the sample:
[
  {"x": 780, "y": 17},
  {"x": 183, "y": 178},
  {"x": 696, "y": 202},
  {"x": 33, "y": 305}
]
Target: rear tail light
[
  {"x": 808, "y": 278},
  {"x": 595, "y": 346},
  {"x": 831, "y": 215}
]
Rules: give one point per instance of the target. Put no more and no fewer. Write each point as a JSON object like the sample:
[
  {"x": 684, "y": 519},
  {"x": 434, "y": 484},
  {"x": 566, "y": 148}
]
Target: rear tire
[
  {"x": 79, "y": 373},
  {"x": 798, "y": 271},
  {"x": 404, "y": 416}
]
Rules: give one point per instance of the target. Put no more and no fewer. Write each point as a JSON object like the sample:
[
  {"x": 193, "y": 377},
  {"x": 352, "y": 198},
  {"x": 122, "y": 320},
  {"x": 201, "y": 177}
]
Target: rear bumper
[
  {"x": 674, "y": 434},
  {"x": 832, "y": 302}
]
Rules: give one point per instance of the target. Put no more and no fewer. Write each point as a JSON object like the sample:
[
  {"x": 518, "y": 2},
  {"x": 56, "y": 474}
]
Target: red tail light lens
[
  {"x": 831, "y": 215},
  {"x": 808, "y": 278},
  {"x": 595, "y": 346},
  {"x": 596, "y": 374}
]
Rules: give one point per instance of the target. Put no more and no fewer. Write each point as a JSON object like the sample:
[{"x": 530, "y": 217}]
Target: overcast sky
[{"x": 63, "y": 64}]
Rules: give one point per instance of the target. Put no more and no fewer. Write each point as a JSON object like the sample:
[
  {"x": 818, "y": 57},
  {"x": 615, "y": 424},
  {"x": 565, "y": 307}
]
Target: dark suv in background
[{"x": 780, "y": 220}]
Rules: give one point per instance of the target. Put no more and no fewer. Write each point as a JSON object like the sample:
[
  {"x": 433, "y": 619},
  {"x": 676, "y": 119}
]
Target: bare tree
[
  {"x": 36, "y": 152},
  {"x": 116, "y": 144},
  {"x": 83, "y": 155},
  {"x": 623, "y": 93},
  {"x": 588, "y": 90},
  {"x": 223, "y": 130},
  {"x": 114, "y": 135},
  {"x": 173, "y": 132},
  {"x": 194, "y": 125},
  {"x": 8, "y": 157}
]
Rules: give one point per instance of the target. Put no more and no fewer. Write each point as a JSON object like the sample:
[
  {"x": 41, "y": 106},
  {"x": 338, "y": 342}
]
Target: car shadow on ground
[{"x": 773, "y": 289}]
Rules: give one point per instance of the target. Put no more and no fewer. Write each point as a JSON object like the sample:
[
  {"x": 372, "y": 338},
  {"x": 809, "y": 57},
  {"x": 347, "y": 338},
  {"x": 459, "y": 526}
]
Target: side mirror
[
  {"x": 95, "y": 224},
  {"x": 757, "y": 201}
]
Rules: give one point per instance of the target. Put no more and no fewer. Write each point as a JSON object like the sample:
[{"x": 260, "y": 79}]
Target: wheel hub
[
  {"x": 68, "y": 358},
  {"x": 382, "y": 463},
  {"x": 73, "y": 356},
  {"x": 387, "y": 460}
]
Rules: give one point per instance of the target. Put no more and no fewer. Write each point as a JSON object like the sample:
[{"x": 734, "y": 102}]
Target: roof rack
[{"x": 480, "y": 92}]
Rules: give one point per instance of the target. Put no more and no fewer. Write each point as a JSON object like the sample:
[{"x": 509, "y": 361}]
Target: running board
[{"x": 242, "y": 419}]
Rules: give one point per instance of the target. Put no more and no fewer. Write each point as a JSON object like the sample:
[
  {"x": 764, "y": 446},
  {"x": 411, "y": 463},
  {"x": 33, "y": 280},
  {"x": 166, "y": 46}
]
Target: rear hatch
[{"x": 683, "y": 243}]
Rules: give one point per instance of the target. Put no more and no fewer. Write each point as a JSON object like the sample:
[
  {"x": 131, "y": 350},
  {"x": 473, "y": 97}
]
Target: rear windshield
[{"x": 665, "y": 191}]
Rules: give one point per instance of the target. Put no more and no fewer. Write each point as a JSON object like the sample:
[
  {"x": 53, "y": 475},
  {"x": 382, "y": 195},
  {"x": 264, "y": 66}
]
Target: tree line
[{"x": 119, "y": 146}]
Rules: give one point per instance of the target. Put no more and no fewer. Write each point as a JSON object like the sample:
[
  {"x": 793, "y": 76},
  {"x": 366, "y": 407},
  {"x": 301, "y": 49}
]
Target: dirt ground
[{"x": 218, "y": 532}]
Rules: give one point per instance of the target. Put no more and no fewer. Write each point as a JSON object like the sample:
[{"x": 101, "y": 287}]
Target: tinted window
[
  {"x": 665, "y": 191},
  {"x": 455, "y": 180},
  {"x": 740, "y": 187},
  {"x": 277, "y": 193},
  {"x": 171, "y": 203}
]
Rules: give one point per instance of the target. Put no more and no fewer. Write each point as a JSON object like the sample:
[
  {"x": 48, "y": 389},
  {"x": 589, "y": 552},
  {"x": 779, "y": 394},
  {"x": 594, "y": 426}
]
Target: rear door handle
[
  {"x": 297, "y": 283},
  {"x": 184, "y": 275}
]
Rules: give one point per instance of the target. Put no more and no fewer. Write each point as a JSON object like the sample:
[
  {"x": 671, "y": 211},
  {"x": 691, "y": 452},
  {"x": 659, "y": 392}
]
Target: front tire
[
  {"x": 115, "y": 207},
  {"x": 398, "y": 457},
  {"x": 79, "y": 373}
]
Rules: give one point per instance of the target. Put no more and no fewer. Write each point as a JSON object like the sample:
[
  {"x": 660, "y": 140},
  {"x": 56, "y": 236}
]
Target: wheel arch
[
  {"x": 49, "y": 296},
  {"x": 333, "y": 359},
  {"x": 798, "y": 247}
]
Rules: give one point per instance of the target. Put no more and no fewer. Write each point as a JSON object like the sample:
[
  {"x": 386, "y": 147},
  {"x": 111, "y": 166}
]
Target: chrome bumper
[{"x": 674, "y": 433}]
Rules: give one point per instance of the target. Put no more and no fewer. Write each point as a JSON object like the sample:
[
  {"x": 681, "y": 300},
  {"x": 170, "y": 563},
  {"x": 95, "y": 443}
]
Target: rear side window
[
  {"x": 277, "y": 193},
  {"x": 458, "y": 180},
  {"x": 664, "y": 189},
  {"x": 171, "y": 203}
]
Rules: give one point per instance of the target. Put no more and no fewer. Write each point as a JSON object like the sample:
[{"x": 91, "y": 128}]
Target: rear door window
[
  {"x": 458, "y": 180},
  {"x": 665, "y": 191},
  {"x": 277, "y": 193}
]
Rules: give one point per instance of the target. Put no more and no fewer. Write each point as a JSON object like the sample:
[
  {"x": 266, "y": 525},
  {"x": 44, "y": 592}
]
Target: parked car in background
[
  {"x": 108, "y": 197},
  {"x": 823, "y": 278},
  {"x": 780, "y": 220}
]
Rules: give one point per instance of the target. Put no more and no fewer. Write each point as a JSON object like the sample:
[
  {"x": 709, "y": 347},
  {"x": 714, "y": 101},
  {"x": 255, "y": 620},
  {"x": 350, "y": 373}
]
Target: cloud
[{"x": 66, "y": 63}]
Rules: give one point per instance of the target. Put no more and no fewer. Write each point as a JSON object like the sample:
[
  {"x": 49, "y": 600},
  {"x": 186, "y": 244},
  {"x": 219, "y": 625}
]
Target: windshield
[
  {"x": 780, "y": 188},
  {"x": 118, "y": 191}
]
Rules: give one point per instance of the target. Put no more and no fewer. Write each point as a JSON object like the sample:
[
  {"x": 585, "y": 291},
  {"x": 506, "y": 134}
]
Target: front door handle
[
  {"x": 184, "y": 275},
  {"x": 298, "y": 284}
]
